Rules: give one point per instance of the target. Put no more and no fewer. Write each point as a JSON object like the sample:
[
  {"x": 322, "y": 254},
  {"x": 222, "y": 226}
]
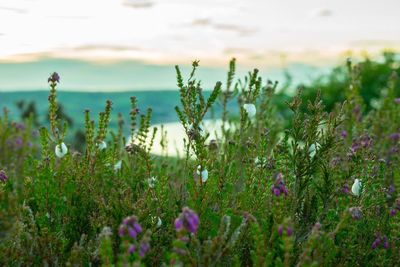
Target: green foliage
[{"x": 265, "y": 194}]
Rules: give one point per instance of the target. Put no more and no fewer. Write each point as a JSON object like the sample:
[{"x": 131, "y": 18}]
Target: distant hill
[{"x": 162, "y": 103}]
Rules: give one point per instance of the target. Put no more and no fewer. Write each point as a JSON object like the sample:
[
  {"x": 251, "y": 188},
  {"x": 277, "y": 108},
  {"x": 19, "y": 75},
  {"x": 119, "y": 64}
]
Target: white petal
[
  {"x": 356, "y": 188},
  {"x": 102, "y": 145},
  {"x": 204, "y": 174},
  {"x": 250, "y": 109},
  {"x": 159, "y": 222},
  {"x": 61, "y": 150}
]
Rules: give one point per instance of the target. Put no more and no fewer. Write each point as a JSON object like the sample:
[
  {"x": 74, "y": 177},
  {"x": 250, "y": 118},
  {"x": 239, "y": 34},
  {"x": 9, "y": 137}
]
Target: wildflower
[
  {"x": 344, "y": 134},
  {"x": 130, "y": 227},
  {"x": 393, "y": 212},
  {"x": 54, "y": 78},
  {"x": 118, "y": 165},
  {"x": 280, "y": 230},
  {"x": 144, "y": 248},
  {"x": 159, "y": 222},
  {"x": 385, "y": 242},
  {"x": 19, "y": 126},
  {"x": 355, "y": 213},
  {"x": 61, "y": 150},
  {"x": 152, "y": 181},
  {"x": 132, "y": 249},
  {"x": 345, "y": 189},
  {"x": 356, "y": 188},
  {"x": 279, "y": 187},
  {"x": 394, "y": 137},
  {"x": 289, "y": 230},
  {"x": 202, "y": 173},
  {"x": 250, "y": 109},
  {"x": 102, "y": 145},
  {"x": 3, "y": 176},
  {"x": 376, "y": 243},
  {"x": 188, "y": 220},
  {"x": 397, "y": 100}
]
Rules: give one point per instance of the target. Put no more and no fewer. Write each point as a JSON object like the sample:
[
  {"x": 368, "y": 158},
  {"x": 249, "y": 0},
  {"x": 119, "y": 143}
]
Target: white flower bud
[
  {"x": 102, "y": 145},
  {"x": 203, "y": 174},
  {"x": 356, "y": 188},
  {"x": 250, "y": 109},
  {"x": 61, "y": 150}
]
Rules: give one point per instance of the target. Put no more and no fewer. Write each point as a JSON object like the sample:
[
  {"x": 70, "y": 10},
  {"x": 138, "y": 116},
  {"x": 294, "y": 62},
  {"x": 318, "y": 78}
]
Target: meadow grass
[{"x": 315, "y": 188}]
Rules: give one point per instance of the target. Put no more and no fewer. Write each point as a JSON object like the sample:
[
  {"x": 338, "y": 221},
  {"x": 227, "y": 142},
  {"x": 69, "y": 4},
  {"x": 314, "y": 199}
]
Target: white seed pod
[
  {"x": 102, "y": 145},
  {"x": 61, "y": 150},
  {"x": 159, "y": 222},
  {"x": 152, "y": 181},
  {"x": 250, "y": 109},
  {"x": 356, "y": 188},
  {"x": 203, "y": 174}
]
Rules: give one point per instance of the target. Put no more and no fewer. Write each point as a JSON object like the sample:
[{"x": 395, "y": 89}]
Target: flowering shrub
[{"x": 321, "y": 191}]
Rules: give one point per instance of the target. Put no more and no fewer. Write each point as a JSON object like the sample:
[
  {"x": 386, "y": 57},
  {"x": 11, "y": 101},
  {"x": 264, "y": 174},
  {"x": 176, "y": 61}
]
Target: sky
[{"x": 115, "y": 34}]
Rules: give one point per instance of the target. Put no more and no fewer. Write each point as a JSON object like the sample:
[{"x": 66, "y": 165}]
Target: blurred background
[{"x": 113, "y": 49}]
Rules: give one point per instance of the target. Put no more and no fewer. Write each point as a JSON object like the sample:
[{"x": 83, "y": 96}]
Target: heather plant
[{"x": 323, "y": 191}]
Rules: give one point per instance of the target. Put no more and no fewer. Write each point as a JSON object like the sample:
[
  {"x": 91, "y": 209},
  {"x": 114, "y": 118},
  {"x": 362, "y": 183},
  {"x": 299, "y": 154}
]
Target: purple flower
[
  {"x": 276, "y": 191},
  {"x": 144, "y": 248},
  {"x": 3, "y": 176},
  {"x": 397, "y": 100},
  {"x": 130, "y": 227},
  {"x": 394, "y": 137},
  {"x": 19, "y": 126},
  {"x": 385, "y": 242},
  {"x": 188, "y": 220},
  {"x": 376, "y": 243},
  {"x": 280, "y": 230},
  {"x": 346, "y": 189},
  {"x": 279, "y": 187},
  {"x": 54, "y": 78},
  {"x": 344, "y": 134},
  {"x": 18, "y": 142},
  {"x": 131, "y": 249},
  {"x": 289, "y": 230},
  {"x": 392, "y": 212},
  {"x": 355, "y": 213}
]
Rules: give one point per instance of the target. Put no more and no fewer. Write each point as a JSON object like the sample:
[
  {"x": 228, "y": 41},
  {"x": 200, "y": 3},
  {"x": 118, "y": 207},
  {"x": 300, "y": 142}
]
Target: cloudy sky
[{"x": 165, "y": 32}]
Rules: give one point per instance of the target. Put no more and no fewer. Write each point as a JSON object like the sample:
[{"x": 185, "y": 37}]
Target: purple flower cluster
[
  {"x": 394, "y": 137},
  {"x": 379, "y": 240},
  {"x": 289, "y": 230},
  {"x": 54, "y": 78},
  {"x": 364, "y": 141},
  {"x": 188, "y": 220},
  {"x": 397, "y": 100},
  {"x": 130, "y": 227},
  {"x": 346, "y": 189},
  {"x": 395, "y": 208},
  {"x": 355, "y": 213},
  {"x": 19, "y": 126},
  {"x": 279, "y": 188},
  {"x": 3, "y": 176}
]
